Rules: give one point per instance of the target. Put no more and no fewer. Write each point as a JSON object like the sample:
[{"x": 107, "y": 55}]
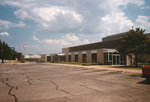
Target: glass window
[
  {"x": 106, "y": 58},
  {"x": 84, "y": 58},
  {"x": 69, "y": 58},
  {"x": 94, "y": 57},
  {"x": 76, "y": 58}
]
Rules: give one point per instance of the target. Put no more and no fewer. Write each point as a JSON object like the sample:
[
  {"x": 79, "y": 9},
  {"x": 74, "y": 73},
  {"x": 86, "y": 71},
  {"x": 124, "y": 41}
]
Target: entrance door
[{"x": 116, "y": 59}]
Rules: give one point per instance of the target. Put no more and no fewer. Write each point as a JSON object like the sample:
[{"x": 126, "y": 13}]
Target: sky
[{"x": 47, "y": 26}]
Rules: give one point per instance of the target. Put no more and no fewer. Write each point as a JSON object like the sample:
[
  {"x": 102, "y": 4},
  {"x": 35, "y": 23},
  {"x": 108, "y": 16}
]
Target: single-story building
[
  {"x": 101, "y": 52},
  {"x": 32, "y": 58}
]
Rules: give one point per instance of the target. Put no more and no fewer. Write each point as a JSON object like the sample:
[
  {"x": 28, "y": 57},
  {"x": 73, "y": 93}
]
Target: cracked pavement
[{"x": 56, "y": 83}]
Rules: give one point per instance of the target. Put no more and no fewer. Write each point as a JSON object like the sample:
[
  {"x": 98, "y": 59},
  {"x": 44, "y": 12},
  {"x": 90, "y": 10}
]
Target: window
[
  {"x": 84, "y": 58},
  {"x": 62, "y": 58},
  {"x": 94, "y": 57},
  {"x": 123, "y": 60},
  {"x": 76, "y": 58},
  {"x": 106, "y": 58},
  {"x": 48, "y": 58},
  {"x": 69, "y": 58}
]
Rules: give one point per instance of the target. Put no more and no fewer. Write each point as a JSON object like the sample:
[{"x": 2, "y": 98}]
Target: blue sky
[{"x": 47, "y": 26}]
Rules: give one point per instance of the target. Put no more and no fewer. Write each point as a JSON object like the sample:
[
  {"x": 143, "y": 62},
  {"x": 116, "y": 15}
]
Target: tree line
[{"x": 6, "y": 53}]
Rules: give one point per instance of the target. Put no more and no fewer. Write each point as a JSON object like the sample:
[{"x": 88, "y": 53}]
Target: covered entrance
[{"x": 112, "y": 57}]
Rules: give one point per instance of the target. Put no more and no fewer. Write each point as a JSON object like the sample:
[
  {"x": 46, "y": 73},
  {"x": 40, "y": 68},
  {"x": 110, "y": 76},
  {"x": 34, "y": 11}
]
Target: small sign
[{"x": 12, "y": 48}]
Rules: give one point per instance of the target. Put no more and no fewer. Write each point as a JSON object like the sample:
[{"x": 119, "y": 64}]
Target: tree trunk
[
  {"x": 136, "y": 60},
  {"x": 2, "y": 60}
]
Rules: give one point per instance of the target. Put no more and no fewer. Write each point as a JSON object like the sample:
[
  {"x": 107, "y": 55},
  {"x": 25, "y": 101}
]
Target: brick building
[{"x": 101, "y": 52}]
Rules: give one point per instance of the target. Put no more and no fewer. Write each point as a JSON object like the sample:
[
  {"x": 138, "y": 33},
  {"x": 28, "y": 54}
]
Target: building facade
[
  {"x": 32, "y": 58},
  {"x": 101, "y": 52}
]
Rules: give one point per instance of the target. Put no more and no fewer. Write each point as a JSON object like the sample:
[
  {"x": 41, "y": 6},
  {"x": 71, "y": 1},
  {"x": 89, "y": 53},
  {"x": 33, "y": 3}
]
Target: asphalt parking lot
[{"x": 56, "y": 83}]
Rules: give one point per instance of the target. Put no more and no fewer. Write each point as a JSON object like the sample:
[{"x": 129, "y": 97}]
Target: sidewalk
[{"x": 107, "y": 68}]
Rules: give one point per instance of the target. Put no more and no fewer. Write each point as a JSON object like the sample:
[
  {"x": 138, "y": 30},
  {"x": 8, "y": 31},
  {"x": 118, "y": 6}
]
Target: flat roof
[
  {"x": 111, "y": 44},
  {"x": 98, "y": 45}
]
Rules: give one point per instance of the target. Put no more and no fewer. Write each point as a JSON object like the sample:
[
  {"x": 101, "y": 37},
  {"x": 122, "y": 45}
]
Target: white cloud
[
  {"x": 67, "y": 40},
  {"x": 145, "y": 7},
  {"x": 19, "y": 24},
  {"x": 74, "y": 40},
  {"x": 48, "y": 17},
  {"x": 55, "y": 42},
  {"x": 71, "y": 38},
  {"x": 55, "y": 45},
  {"x": 4, "y": 24},
  {"x": 143, "y": 19},
  {"x": 143, "y": 22},
  {"x": 116, "y": 22},
  {"x": 7, "y": 24},
  {"x": 51, "y": 13},
  {"x": 65, "y": 16},
  {"x": 35, "y": 38},
  {"x": 22, "y": 14},
  {"x": 111, "y": 6},
  {"x": 4, "y": 34}
]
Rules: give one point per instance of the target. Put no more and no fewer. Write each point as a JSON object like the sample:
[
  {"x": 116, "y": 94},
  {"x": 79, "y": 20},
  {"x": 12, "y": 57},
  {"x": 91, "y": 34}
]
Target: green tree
[
  {"x": 5, "y": 51},
  {"x": 0, "y": 49},
  {"x": 135, "y": 43},
  {"x": 7, "y": 54},
  {"x": 19, "y": 56},
  {"x": 14, "y": 53}
]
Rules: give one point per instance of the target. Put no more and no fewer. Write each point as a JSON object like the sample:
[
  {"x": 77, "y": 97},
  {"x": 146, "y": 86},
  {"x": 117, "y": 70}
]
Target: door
[{"x": 115, "y": 59}]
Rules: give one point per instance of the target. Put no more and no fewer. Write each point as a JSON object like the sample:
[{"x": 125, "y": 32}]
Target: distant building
[
  {"x": 32, "y": 58},
  {"x": 43, "y": 58}
]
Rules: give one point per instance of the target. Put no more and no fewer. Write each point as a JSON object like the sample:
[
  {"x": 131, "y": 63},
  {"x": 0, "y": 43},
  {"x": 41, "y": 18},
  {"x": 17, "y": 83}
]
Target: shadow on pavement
[{"x": 143, "y": 82}]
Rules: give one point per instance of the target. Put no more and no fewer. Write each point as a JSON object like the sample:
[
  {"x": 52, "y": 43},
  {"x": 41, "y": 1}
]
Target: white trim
[
  {"x": 75, "y": 53},
  {"x": 109, "y": 50},
  {"x": 94, "y": 51},
  {"x": 69, "y": 53},
  {"x": 60, "y": 54},
  {"x": 83, "y": 52}
]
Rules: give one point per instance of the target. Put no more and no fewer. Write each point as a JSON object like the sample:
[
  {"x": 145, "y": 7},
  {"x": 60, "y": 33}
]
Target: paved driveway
[{"x": 56, "y": 83}]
